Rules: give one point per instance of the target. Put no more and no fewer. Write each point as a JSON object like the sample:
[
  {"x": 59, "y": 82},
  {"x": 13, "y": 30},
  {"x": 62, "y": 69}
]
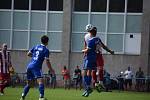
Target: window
[
  {"x": 5, "y": 20},
  {"x": 38, "y": 21},
  {"x": 99, "y": 5},
  {"x": 18, "y": 23},
  {"x": 115, "y": 23},
  {"x": 135, "y": 6},
  {"x": 79, "y": 22},
  {"x": 5, "y": 37},
  {"x": 21, "y": 4},
  {"x": 55, "y": 40},
  {"x": 20, "y": 39},
  {"x": 5, "y": 4},
  {"x": 55, "y": 22},
  {"x": 99, "y": 20},
  {"x": 81, "y": 5},
  {"x": 77, "y": 42},
  {"x": 38, "y": 5},
  {"x": 116, "y": 5},
  {"x": 56, "y": 5},
  {"x": 115, "y": 42},
  {"x": 134, "y": 24}
]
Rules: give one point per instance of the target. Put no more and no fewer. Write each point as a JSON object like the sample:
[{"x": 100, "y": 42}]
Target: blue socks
[
  {"x": 87, "y": 81},
  {"x": 41, "y": 90},
  {"x": 26, "y": 90}
]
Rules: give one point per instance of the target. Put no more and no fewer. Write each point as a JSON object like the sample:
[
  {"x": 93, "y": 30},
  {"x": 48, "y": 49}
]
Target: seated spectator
[
  {"x": 66, "y": 77},
  {"x": 107, "y": 81},
  {"x": 140, "y": 81},
  {"x": 77, "y": 77}
]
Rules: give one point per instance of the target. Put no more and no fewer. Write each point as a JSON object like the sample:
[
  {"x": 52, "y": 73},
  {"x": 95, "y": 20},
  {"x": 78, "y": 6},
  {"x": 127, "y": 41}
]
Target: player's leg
[
  {"x": 30, "y": 77},
  {"x": 94, "y": 76},
  {"x": 1, "y": 84}
]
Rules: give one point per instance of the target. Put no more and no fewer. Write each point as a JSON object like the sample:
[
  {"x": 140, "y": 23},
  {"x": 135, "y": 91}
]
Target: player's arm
[
  {"x": 49, "y": 65},
  {"x": 30, "y": 52},
  {"x": 106, "y": 48}
]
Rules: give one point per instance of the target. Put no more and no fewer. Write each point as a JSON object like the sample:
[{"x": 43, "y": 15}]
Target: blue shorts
[
  {"x": 89, "y": 64},
  {"x": 34, "y": 74}
]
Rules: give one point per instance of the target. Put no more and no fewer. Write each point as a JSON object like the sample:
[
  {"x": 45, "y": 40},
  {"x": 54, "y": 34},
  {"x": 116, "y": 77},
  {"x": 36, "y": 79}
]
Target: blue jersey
[
  {"x": 90, "y": 58},
  {"x": 93, "y": 43},
  {"x": 39, "y": 53}
]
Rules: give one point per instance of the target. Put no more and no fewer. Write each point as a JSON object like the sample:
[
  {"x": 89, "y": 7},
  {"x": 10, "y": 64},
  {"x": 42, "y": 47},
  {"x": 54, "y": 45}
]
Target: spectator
[
  {"x": 77, "y": 77},
  {"x": 128, "y": 78},
  {"x": 66, "y": 78},
  {"x": 5, "y": 63},
  {"x": 120, "y": 79},
  {"x": 12, "y": 75},
  {"x": 107, "y": 81},
  {"x": 52, "y": 79},
  {"x": 140, "y": 80}
]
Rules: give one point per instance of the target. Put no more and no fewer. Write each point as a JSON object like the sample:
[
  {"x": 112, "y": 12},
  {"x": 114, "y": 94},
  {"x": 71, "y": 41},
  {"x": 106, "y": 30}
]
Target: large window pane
[
  {"x": 55, "y": 22},
  {"x": 115, "y": 42},
  {"x": 56, "y": 5},
  {"x": 20, "y": 40},
  {"x": 21, "y": 4},
  {"x": 135, "y": 6},
  {"x": 5, "y": 20},
  {"x": 81, "y": 5},
  {"x": 5, "y": 4},
  {"x": 5, "y": 37},
  {"x": 99, "y": 21},
  {"x": 79, "y": 22},
  {"x": 38, "y": 21},
  {"x": 116, "y": 23},
  {"x": 55, "y": 41},
  {"x": 77, "y": 42},
  {"x": 38, "y": 5},
  {"x": 116, "y": 5},
  {"x": 99, "y": 5},
  {"x": 133, "y": 24},
  {"x": 35, "y": 38},
  {"x": 18, "y": 22}
]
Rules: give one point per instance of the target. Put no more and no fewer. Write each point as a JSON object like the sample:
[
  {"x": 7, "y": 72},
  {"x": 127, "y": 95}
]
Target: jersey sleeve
[{"x": 32, "y": 49}]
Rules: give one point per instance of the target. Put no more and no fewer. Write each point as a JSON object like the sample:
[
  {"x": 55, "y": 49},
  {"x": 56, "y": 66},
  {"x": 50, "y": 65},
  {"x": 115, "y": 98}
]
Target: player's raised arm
[{"x": 106, "y": 48}]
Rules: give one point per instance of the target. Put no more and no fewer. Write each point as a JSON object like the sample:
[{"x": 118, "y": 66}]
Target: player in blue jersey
[
  {"x": 39, "y": 53},
  {"x": 89, "y": 61}
]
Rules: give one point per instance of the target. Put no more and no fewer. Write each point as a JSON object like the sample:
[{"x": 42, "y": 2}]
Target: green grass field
[{"x": 61, "y": 94}]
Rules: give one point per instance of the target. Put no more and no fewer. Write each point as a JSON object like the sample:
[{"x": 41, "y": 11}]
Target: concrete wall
[{"x": 113, "y": 63}]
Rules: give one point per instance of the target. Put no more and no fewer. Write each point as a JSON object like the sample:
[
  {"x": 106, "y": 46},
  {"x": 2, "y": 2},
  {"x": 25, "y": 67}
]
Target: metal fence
[{"x": 117, "y": 83}]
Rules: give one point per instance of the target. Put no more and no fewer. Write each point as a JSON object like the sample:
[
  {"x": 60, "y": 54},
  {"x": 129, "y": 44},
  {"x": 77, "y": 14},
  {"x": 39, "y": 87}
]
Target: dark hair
[
  {"x": 94, "y": 31},
  {"x": 44, "y": 39}
]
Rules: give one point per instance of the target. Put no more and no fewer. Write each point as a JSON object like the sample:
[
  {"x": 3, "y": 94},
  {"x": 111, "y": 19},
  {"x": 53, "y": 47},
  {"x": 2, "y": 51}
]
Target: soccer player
[
  {"x": 5, "y": 63},
  {"x": 99, "y": 58},
  {"x": 39, "y": 53},
  {"x": 89, "y": 61}
]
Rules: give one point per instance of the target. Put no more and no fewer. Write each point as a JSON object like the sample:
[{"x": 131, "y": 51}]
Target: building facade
[{"x": 123, "y": 25}]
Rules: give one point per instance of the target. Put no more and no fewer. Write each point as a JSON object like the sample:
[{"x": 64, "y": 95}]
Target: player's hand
[{"x": 112, "y": 52}]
